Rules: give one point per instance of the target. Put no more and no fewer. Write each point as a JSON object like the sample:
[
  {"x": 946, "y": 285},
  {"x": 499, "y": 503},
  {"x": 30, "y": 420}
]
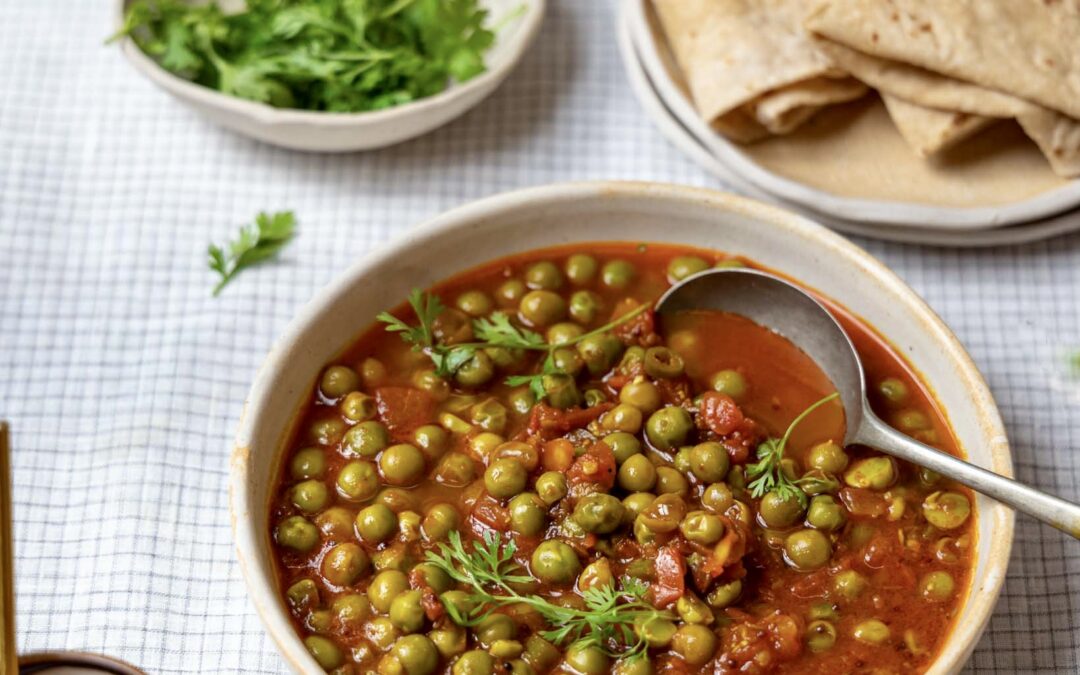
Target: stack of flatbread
[{"x": 946, "y": 69}]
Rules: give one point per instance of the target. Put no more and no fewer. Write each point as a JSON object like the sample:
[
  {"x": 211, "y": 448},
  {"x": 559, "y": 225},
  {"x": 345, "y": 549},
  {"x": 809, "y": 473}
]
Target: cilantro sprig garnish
[
  {"x": 767, "y": 472},
  {"x": 256, "y": 243},
  {"x": 493, "y": 331},
  {"x": 494, "y": 579},
  {"x": 331, "y": 55}
]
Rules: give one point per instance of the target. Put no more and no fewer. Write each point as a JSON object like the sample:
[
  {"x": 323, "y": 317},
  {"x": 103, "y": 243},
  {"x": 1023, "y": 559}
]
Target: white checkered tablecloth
[{"x": 123, "y": 378}]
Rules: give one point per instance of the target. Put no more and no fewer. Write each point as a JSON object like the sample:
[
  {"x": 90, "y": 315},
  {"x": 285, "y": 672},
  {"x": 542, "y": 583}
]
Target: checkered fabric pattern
[{"x": 123, "y": 378}]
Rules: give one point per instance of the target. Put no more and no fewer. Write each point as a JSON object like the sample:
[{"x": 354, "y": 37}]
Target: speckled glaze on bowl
[
  {"x": 518, "y": 20},
  {"x": 589, "y": 212}
]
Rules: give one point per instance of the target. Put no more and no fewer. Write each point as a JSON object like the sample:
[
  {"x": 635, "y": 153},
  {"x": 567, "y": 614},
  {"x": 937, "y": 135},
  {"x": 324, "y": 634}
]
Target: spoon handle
[{"x": 1053, "y": 511}]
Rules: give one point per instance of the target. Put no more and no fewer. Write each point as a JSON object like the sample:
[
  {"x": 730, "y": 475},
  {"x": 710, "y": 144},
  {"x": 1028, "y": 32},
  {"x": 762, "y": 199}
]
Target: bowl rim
[
  {"x": 266, "y": 114},
  {"x": 263, "y": 590},
  {"x": 915, "y": 215}
]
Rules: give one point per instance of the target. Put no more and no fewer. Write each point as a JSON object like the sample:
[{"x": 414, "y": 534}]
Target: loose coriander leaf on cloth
[
  {"x": 767, "y": 473},
  {"x": 254, "y": 244}
]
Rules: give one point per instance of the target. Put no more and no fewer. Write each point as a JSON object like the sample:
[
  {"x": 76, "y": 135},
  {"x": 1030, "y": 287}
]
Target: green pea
[
  {"x": 807, "y": 549},
  {"x": 825, "y": 513},
  {"x": 725, "y": 595},
  {"x": 586, "y": 658},
  {"x": 599, "y": 352},
  {"x": 554, "y": 562},
  {"x": 623, "y": 445},
  {"x": 584, "y": 307},
  {"x": 685, "y": 266},
  {"x": 729, "y": 263},
  {"x": 327, "y": 431},
  {"x": 540, "y": 653},
  {"x": 495, "y": 627},
  {"x": 510, "y": 292},
  {"x": 871, "y": 631},
  {"x": 376, "y": 523},
  {"x": 635, "y": 504},
  {"x": 563, "y": 333},
  {"x": 663, "y": 364},
  {"x": 567, "y": 360},
  {"x": 372, "y": 373},
  {"x": 401, "y": 464},
  {"x": 828, "y": 457},
  {"x": 671, "y": 481},
  {"x": 366, "y": 439},
  {"x": 296, "y": 532},
  {"x": 336, "y": 523},
  {"x": 477, "y": 371},
  {"x": 417, "y": 654},
  {"x": 539, "y": 309},
  {"x": 475, "y": 662},
  {"x": 358, "y": 481},
  {"x": 820, "y": 636},
  {"x": 433, "y": 384},
  {"x": 655, "y": 631},
  {"x": 484, "y": 444},
  {"x": 717, "y": 498},
  {"x": 489, "y": 415},
  {"x": 474, "y": 303},
  {"x": 730, "y": 382},
  {"x": 432, "y": 440},
  {"x": 452, "y": 326},
  {"x": 358, "y": 407},
  {"x": 302, "y": 595},
  {"x": 849, "y": 584},
  {"x": 702, "y": 527},
  {"x": 946, "y": 510},
  {"x": 324, "y": 651},
  {"x": 640, "y": 666},
  {"x": 382, "y": 633},
  {"x": 338, "y": 381},
  {"x": 310, "y": 496},
  {"x": 681, "y": 461},
  {"x": 561, "y": 390},
  {"x": 308, "y": 463},
  {"x": 505, "y": 478},
  {"x": 664, "y": 514},
  {"x": 709, "y": 462},
  {"x": 599, "y": 513},
  {"x": 352, "y": 610},
  {"x": 449, "y": 639},
  {"x": 455, "y": 470},
  {"x": 623, "y": 417},
  {"x": 544, "y": 275},
  {"x": 433, "y": 576},
  {"x": 668, "y": 427},
  {"x": 893, "y": 390},
  {"x": 551, "y": 487},
  {"x": 440, "y": 521},
  {"x": 386, "y": 586},
  {"x": 527, "y": 514},
  {"x": 641, "y": 394},
  {"x": 871, "y": 472},
  {"x": 617, "y": 274},
  {"x": 912, "y": 420},
  {"x": 637, "y": 474},
  {"x": 581, "y": 269},
  {"x": 692, "y": 610},
  {"x": 344, "y": 564},
  {"x": 694, "y": 644},
  {"x": 407, "y": 612},
  {"x": 937, "y": 586},
  {"x": 521, "y": 400},
  {"x": 460, "y": 601},
  {"x": 504, "y": 357}
]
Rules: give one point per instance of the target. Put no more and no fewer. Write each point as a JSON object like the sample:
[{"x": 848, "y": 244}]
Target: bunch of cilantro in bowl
[{"x": 322, "y": 55}]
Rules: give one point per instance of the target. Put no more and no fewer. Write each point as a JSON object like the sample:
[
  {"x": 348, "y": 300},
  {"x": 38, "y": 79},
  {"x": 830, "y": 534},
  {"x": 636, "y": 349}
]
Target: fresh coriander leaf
[{"x": 254, "y": 244}]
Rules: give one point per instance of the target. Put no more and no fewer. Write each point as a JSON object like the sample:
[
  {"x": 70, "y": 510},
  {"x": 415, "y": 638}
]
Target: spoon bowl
[{"x": 794, "y": 314}]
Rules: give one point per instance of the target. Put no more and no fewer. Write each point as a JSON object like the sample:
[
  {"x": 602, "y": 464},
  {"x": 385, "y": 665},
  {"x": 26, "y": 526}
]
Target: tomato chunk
[
  {"x": 720, "y": 414},
  {"x": 404, "y": 409},
  {"x": 596, "y": 466},
  {"x": 670, "y": 581}
]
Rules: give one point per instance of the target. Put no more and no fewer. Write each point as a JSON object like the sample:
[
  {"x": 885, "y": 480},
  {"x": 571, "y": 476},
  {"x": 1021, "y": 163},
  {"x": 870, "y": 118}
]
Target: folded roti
[
  {"x": 1027, "y": 48},
  {"x": 751, "y": 68},
  {"x": 1057, "y": 136},
  {"x": 929, "y": 130}
]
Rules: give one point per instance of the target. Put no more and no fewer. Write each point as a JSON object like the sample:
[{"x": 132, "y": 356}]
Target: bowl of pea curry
[{"x": 520, "y": 468}]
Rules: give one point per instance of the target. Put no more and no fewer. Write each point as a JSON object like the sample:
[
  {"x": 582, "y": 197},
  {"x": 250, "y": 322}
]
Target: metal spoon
[{"x": 788, "y": 310}]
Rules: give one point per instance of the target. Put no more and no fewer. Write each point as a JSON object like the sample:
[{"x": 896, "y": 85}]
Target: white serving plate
[
  {"x": 904, "y": 213},
  {"x": 681, "y": 138},
  {"x": 583, "y": 213},
  {"x": 518, "y": 20}
]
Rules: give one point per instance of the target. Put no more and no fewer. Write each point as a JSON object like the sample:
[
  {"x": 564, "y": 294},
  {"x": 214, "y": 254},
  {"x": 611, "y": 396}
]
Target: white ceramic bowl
[
  {"x": 679, "y": 136},
  {"x": 588, "y": 212},
  {"x": 519, "y": 22},
  {"x": 872, "y": 211}
]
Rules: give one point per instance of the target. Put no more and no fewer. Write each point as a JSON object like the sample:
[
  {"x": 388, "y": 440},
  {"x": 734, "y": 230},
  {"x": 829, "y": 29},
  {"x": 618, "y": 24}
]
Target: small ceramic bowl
[
  {"x": 589, "y": 212},
  {"x": 518, "y": 20}
]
